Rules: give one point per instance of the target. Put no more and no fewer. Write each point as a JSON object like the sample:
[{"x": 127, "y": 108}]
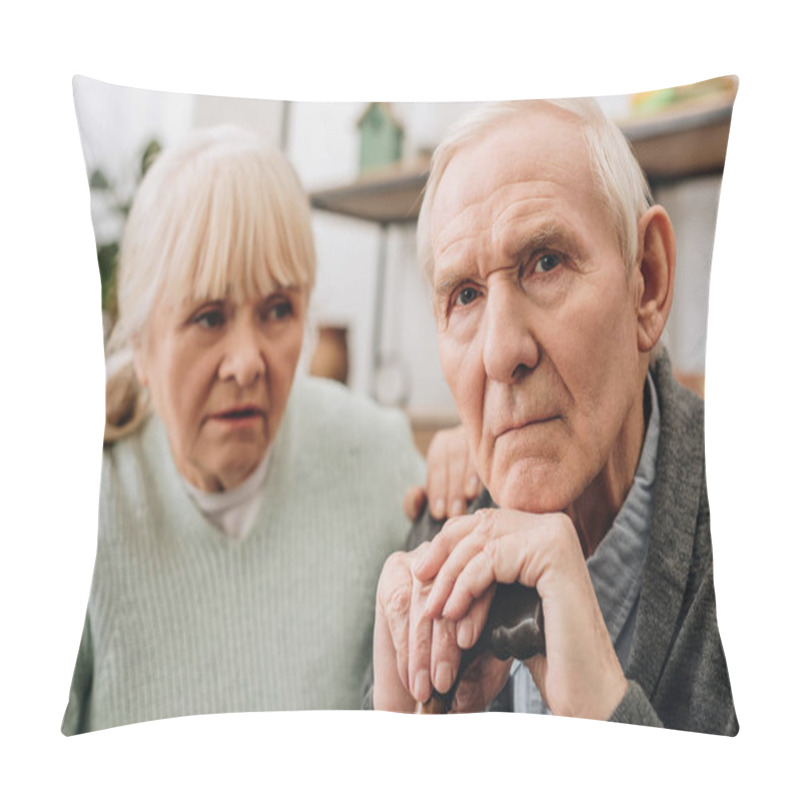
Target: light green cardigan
[{"x": 183, "y": 620}]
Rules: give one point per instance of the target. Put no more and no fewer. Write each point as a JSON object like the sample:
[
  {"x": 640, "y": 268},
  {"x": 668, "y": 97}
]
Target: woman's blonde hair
[
  {"x": 619, "y": 181},
  {"x": 222, "y": 214}
]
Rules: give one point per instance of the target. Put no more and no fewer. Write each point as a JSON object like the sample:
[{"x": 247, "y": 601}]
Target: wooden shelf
[
  {"x": 390, "y": 196},
  {"x": 670, "y": 145},
  {"x": 681, "y": 143}
]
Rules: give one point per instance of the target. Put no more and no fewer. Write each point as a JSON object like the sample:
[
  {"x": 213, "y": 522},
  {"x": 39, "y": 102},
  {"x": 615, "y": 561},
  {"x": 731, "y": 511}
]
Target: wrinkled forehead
[{"x": 541, "y": 153}]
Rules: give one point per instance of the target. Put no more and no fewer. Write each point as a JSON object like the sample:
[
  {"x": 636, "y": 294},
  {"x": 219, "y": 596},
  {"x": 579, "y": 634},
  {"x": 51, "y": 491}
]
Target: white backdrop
[{"x": 53, "y": 377}]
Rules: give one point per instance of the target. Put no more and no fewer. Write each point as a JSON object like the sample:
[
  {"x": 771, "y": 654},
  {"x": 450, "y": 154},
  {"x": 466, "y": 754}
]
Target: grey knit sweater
[
  {"x": 184, "y": 620},
  {"x": 678, "y": 676}
]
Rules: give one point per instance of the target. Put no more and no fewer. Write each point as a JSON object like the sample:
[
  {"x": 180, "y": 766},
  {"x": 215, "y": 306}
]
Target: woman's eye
[
  {"x": 466, "y": 296},
  {"x": 211, "y": 318},
  {"x": 547, "y": 262},
  {"x": 277, "y": 310}
]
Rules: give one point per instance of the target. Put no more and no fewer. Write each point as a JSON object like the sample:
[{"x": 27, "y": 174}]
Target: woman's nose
[
  {"x": 510, "y": 349},
  {"x": 243, "y": 360}
]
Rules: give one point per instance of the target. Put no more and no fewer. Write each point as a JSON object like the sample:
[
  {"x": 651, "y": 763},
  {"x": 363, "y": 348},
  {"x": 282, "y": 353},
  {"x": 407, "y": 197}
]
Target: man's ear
[{"x": 656, "y": 275}]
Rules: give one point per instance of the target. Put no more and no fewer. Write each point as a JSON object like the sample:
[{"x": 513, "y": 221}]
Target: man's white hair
[{"x": 619, "y": 181}]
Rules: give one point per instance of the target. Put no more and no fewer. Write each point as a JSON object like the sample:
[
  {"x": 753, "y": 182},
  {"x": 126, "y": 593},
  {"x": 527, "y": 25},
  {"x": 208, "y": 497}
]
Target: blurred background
[{"x": 364, "y": 166}]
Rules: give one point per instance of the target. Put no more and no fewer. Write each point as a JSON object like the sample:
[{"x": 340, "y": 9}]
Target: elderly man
[{"x": 552, "y": 275}]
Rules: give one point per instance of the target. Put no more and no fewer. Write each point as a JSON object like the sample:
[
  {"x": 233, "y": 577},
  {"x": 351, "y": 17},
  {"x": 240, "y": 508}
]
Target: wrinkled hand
[
  {"x": 580, "y": 675},
  {"x": 406, "y": 642},
  {"x": 413, "y": 652},
  {"x": 452, "y": 481}
]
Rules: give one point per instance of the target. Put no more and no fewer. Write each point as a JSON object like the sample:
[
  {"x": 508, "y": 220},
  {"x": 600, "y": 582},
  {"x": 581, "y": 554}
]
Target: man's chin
[{"x": 533, "y": 490}]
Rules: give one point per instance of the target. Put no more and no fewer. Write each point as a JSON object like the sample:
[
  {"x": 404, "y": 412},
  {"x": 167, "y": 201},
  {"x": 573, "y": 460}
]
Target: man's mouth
[{"x": 526, "y": 424}]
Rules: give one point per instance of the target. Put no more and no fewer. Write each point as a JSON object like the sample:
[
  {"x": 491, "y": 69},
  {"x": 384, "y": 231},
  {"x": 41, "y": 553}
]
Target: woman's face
[{"x": 219, "y": 374}]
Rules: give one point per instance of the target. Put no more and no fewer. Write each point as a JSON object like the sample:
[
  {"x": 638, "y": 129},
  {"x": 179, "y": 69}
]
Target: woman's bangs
[{"x": 244, "y": 236}]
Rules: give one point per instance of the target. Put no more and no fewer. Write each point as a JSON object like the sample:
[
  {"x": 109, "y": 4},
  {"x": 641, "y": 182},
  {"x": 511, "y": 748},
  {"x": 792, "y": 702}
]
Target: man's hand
[
  {"x": 452, "y": 481},
  {"x": 406, "y": 641},
  {"x": 414, "y": 653},
  {"x": 580, "y": 675},
  {"x": 392, "y": 686}
]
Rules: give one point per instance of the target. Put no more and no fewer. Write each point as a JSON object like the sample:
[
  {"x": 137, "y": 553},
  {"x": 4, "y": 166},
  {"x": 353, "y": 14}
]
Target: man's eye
[
  {"x": 466, "y": 296},
  {"x": 547, "y": 262}
]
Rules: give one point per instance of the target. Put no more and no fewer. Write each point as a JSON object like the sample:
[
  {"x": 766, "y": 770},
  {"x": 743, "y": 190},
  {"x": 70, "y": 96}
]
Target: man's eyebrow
[
  {"x": 443, "y": 287},
  {"x": 547, "y": 237}
]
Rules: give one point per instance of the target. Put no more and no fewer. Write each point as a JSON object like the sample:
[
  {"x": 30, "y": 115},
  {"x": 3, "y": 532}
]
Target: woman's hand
[{"x": 452, "y": 481}]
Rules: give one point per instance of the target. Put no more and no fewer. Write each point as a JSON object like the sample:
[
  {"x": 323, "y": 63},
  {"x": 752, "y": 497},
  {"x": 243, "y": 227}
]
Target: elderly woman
[{"x": 245, "y": 513}]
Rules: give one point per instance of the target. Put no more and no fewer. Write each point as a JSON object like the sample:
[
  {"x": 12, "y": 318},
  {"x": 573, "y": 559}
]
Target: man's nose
[
  {"x": 510, "y": 349},
  {"x": 243, "y": 359}
]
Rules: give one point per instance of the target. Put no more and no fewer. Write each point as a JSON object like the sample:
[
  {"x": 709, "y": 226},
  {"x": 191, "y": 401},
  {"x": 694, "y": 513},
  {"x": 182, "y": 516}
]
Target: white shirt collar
[{"x": 233, "y": 512}]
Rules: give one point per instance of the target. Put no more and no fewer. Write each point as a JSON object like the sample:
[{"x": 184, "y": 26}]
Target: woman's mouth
[{"x": 242, "y": 415}]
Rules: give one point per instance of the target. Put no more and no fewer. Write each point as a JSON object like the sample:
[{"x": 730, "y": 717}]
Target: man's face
[{"x": 536, "y": 315}]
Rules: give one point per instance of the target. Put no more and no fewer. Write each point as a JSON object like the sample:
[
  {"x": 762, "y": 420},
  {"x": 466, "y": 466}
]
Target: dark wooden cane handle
[{"x": 514, "y": 629}]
